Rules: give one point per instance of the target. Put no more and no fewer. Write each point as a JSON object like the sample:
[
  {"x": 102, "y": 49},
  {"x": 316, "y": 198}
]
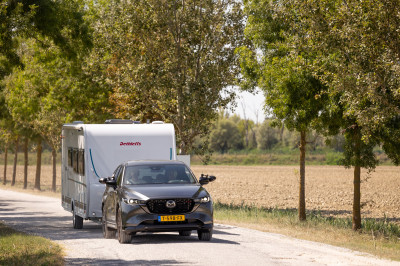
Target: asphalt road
[{"x": 230, "y": 245}]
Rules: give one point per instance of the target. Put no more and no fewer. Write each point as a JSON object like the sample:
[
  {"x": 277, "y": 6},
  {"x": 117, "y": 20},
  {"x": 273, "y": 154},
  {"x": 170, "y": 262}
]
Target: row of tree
[
  {"x": 324, "y": 66},
  {"x": 330, "y": 66},
  {"x": 90, "y": 60}
]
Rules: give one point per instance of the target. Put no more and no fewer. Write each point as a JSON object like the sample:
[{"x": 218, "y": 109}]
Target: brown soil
[{"x": 329, "y": 189}]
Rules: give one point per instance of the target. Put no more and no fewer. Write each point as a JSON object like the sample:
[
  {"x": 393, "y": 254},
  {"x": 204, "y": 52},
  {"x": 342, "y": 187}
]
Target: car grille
[{"x": 159, "y": 206}]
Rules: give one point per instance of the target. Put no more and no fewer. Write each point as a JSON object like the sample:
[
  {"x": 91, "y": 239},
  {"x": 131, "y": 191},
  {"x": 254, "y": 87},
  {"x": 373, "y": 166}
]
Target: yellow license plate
[{"x": 171, "y": 218}]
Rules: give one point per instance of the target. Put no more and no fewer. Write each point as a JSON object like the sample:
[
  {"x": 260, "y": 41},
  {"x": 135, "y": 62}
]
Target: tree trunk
[
  {"x": 247, "y": 133},
  {"x": 38, "y": 164},
  {"x": 357, "y": 183},
  {"x": 26, "y": 142},
  {"x": 357, "y": 197},
  {"x": 5, "y": 164},
  {"x": 302, "y": 195},
  {"x": 54, "y": 157},
  {"x": 15, "y": 162}
]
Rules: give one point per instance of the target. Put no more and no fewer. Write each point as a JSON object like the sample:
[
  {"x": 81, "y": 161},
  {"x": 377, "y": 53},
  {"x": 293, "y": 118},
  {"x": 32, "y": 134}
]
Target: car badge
[{"x": 170, "y": 204}]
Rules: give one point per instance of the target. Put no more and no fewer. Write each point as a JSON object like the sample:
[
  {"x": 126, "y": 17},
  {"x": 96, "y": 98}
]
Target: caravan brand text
[{"x": 130, "y": 144}]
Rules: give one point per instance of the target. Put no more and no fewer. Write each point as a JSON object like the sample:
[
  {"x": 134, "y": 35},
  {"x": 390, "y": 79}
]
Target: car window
[
  {"x": 119, "y": 175},
  {"x": 158, "y": 174},
  {"x": 116, "y": 172}
]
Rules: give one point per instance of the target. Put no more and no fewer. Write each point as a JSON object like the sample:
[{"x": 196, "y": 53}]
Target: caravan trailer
[{"x": 93, "y": 151}]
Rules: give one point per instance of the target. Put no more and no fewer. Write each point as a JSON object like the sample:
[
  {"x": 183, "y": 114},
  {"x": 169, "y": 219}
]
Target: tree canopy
[{"x": 169, "y": 60}]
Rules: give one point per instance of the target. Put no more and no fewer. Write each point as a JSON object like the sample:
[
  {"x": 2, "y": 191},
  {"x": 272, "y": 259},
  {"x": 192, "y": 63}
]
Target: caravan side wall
[
  {"x": 73, "y": 177},
  {"x": 108, "y": 145}
]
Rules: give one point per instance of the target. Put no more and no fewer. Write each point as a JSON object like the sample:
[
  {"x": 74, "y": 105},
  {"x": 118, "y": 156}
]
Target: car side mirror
[
  {"x": 109, "y": 181},
  {"x": 205, "y": 179},
  {"x": 103, "y": 180}
]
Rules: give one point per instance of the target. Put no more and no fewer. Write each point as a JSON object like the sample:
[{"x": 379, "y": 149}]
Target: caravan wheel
[{"x": 77, "y": 221}]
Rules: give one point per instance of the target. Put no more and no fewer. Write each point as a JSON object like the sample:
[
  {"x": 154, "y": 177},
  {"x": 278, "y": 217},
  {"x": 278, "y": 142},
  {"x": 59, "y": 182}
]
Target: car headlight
[
  {"x": 203, "y": 199},
  {"x": 134, "y": 201}
]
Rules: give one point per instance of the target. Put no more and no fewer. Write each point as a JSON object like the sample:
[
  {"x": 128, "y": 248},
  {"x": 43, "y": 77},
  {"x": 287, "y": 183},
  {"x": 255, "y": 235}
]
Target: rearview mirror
[{"x": 205, "y": 179}]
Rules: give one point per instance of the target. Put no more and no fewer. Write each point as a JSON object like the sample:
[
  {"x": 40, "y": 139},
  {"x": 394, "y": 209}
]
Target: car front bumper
[{"x": 137, "y": 218}]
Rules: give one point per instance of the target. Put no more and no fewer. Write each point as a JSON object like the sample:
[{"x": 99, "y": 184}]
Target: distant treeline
[{"x": 234, "y": 140}]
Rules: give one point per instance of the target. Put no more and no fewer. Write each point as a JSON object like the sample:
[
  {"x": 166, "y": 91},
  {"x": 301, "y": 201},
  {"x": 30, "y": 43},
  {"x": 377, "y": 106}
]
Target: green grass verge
[
  {"x": 17, "y": 248},
  {"x": 279, "y": 157},
  {"x": 377, "y": 237}
]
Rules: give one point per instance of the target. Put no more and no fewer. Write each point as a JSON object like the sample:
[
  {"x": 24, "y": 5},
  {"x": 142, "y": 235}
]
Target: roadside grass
[
  {"x": 17, "y": 248},
  {"x": 377, "y": 237},
  {"x": 45, "y": 190},
  {"x": 283, "y": 156}
]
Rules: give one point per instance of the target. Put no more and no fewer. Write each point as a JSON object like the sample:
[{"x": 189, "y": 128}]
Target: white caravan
[{"x": 92, "y": 151}]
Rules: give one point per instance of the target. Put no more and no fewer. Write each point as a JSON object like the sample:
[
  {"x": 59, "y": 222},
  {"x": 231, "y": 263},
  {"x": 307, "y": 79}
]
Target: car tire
[
  {"x": 123, "y": 237},
  {"x": 77, "y": 221},
  {"x": 107, "y": 232},
  {"x": 204, "y": 235},
  {"x": 185, "y": 233}
]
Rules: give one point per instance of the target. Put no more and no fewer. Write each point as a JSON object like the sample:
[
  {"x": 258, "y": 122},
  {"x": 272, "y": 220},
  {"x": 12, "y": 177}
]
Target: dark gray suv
[{"x": 156, "y": 196}]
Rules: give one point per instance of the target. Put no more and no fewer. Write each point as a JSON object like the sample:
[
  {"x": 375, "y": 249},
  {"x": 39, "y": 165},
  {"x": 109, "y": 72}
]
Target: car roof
[{"x": 153, "y": 162}]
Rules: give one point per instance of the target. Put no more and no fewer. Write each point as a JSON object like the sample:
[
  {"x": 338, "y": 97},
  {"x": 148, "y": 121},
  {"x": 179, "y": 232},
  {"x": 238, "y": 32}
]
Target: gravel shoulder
[{"x": 230, "y": 245}]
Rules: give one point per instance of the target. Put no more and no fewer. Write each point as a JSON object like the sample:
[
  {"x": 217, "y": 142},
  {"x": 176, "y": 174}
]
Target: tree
[
  {"x": 5, "y": 136},
  {"x": 267, "y": 136},
  {"x": 61, "y": 21},
  {"x": 16, "y": 146},
  {"x": 356, "y": 47},
  {"x": 294, "y": 96},
  {"x": 225, "y": 136},
  {"x": 169, "y": 60}
]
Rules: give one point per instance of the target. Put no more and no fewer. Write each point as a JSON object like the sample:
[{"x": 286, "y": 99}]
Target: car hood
[{"x": 166, "y": 191}]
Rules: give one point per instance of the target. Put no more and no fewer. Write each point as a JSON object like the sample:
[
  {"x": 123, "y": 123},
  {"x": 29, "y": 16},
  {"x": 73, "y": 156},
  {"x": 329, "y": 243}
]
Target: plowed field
[{"x": 329, "y": 189}]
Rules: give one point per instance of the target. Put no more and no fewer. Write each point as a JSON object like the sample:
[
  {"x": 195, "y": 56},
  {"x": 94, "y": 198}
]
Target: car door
[
  {"x": 109, "y": 204},
  {"x": 114, "y": 194}
]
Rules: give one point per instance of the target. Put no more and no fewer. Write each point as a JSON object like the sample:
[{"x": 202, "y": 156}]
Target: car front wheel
[
  {"x": 123, "y": 237},
  {"x": 205, "y": 234},
  {"x": 107, "y": 232}
]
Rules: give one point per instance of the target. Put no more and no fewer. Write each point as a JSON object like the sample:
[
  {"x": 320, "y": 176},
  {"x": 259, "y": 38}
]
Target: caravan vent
[
  {"x": 118, "y": 121},
  {"x": 78, "y": 122},
  {"x": 157, "y": 122}
]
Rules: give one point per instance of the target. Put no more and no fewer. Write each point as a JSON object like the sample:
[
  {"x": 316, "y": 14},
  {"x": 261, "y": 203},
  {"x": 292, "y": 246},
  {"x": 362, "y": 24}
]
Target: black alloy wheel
[
  {"x": 107, "y": 232},
  {"x": 205, "y": 234},
  {"x": 123, "y": 237}
]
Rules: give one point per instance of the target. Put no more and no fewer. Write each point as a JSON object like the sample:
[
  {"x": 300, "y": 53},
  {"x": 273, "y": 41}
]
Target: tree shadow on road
[
  {"x": 80, "y": 261},
  {"x": 165, "y": 238},
  {"x": 60, "y": 228}
]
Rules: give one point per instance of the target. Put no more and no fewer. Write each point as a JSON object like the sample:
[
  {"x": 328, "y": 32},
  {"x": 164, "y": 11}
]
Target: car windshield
[{"x": 158, "y": 174}]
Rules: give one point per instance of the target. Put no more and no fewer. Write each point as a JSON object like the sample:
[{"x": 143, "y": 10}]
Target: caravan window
[
  {"x": 75, "y": 160},
  {"x": 81, "y": 162},
  {"x": 70, "y": 157}
]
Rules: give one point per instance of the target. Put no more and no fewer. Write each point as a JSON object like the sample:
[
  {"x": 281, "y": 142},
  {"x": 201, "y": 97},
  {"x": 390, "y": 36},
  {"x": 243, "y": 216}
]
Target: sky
[{"x": 250, "y": 105}]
